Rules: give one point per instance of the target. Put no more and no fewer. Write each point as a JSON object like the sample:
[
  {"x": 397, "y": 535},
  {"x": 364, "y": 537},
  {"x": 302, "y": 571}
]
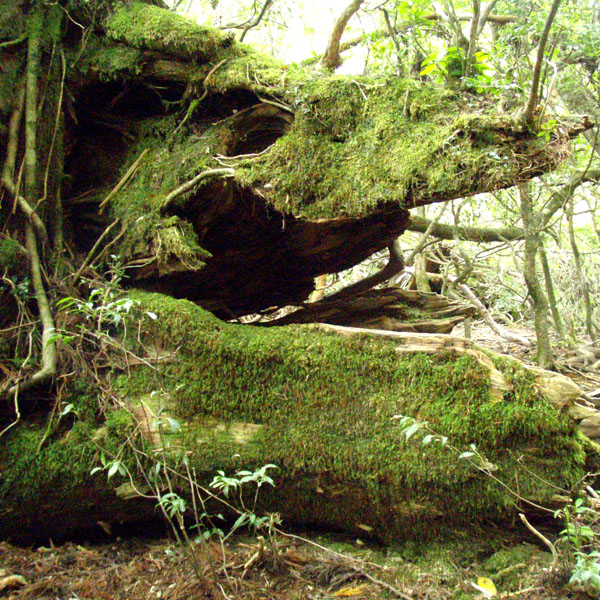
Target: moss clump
[
  {"x": 11, "y": 256},
  {"x": 509, "y": 567},
  {"x": 247, "y": 69},
  {"x": 110, "y": 60},
  {"x": 145, "y": 26},
  {"x": 325, "y": 404},
  {"x": 63, "y": 463},
  {"x": 358, "y": 143},
  {"x": 165, "y": 166}
]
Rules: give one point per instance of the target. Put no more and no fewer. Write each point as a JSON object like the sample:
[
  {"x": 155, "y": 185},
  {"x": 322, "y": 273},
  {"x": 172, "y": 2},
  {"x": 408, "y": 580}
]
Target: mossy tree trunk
[
  {"x": 318, "y": 402},
  {"x": 534, "y": 286}
]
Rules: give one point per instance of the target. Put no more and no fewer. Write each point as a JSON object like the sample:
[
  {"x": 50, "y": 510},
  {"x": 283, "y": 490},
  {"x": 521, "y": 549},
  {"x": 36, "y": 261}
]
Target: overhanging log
[{"x": 322, "y": 170}]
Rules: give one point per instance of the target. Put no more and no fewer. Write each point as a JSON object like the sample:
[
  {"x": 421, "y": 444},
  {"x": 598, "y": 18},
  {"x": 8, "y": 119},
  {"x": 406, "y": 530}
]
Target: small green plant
[
  {"x": 112, "y": 467},
  {"x": 580, "y": 540},
  {"x": 105, "y": 307},
  {"x": 410, "y": 426},
  {"x": 236, "y": 483},
  {"x": 586, "y": 574},
  {"x": 547, "y": 128},
  {"x": 577, "y": 532}
]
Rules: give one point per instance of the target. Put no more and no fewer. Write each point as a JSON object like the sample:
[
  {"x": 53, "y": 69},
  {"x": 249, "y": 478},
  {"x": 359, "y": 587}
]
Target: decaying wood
[
  {"x": 559, "y": 390},
  {"x": 386, "y": 308}
]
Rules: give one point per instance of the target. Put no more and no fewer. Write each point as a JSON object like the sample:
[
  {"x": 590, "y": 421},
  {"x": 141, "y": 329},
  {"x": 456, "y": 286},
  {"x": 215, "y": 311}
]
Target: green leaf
[
  {"x": 408, "y": 433},
  {"x": 114, "y": 467},
  {"x": 428, "y": 69},
  {"x": 67, "y": 409},
  {"x": 174, "y": 424}
]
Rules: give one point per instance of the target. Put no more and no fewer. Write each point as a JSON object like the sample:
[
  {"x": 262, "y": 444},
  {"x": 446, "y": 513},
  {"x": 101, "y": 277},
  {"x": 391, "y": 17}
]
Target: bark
[
  {"x": 311, "y": 192},
  {"x": 528, "y": 115},
  {"x": 388, "y": 308},
  {"x": 557, "y": 201},
  {"x": 473, "y": 38},
  {"x": 47, "y": 369},
  {"x": 534, "y": 287},
  {"x": 558, "y": 324},
  {"x": 332, "y": 59},
  {"x": 421, "y": 273}
]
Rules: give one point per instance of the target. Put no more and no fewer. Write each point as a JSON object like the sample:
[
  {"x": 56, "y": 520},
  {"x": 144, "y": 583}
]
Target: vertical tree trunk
[
  {"x": 534, "y": 287},
  {"x": 560, "y": 328},
  {"x": 589, "y": 328},
  {"x": 421, "y": 273}
]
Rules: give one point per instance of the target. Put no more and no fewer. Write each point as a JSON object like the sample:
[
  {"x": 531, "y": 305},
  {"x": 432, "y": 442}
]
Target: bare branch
[
  {"x": 255, "y": 22},
  {"x": 556, "y": 201},
  {"x": 486, "y": 10},
  {"x": 499, "y": 20},
  {"x": 332, "y": 59},
  {"x": 535, "y": 83}
]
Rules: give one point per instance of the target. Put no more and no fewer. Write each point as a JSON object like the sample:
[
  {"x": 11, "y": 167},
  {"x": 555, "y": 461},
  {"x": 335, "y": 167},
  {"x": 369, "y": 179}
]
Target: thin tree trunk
[
  {"x": 472, "y": 38},
  {"x": 48, "y": 367},
  {"x": 560, "y": 328},
  {"x": 331, "y": 59},
  {"x": 421, "y": 273},
  {"x": 544, "y": 349},
  {"x": 589, "y": 328},
  {"x": 537, "y": 70}
]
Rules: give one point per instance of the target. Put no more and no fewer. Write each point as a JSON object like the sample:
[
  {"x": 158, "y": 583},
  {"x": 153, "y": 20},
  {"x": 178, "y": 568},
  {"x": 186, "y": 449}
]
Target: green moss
[
  {"x": 63, "y": 463},
  {"x": 245, "y": 68},
  {"x": 326, "y": 402},
  {"x": 510, "y": 567},
  {"x": 164, "y": 167},
  {"x": 359, "y": 143},
  {"x": 118, "y": 423},
  {"x": 85, "y": 400},
  {"x": 145, "y": 26},
  {"x": 9, "y": 81},
  {"x": 109, "y": 60},
  {"x": 11, "y": 257}
]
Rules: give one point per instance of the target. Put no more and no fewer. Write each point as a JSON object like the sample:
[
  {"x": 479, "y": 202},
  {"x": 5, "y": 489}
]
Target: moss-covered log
[
  {"x": 304, "y": 173},
  {"x": 320, "y": 406}
]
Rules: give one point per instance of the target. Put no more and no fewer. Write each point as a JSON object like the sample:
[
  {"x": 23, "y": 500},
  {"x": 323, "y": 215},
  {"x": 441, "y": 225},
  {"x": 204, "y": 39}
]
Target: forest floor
[
  {"x": 307, "y": 566},
  {"x": 143, "y": 569}
]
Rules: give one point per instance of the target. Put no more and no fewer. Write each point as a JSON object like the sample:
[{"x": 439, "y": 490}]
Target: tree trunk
[
  {"x": 321, "y": 407},
  {"x": 235, "y": 181},
  {"x": 534, "y": 287},
  {"x": 550, "y": 290}
]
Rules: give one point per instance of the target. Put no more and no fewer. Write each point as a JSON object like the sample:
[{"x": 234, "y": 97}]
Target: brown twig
[
  {"x": 543, "y": 538},
  {"x": 124, "y": 180}
]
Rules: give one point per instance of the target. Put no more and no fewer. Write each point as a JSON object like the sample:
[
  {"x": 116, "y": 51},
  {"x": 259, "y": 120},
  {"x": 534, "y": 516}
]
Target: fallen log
[
  {"x": 390, "y": 308},
  {"x": 318, "y": 404}
]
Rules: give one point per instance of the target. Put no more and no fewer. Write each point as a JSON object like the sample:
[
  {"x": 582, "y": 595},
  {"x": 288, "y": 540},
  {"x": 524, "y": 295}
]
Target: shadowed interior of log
[{"x": 261, "y": 258}]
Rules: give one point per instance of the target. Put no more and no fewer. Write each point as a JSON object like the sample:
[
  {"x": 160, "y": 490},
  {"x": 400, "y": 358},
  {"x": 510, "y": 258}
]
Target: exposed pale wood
[{"x": 560, "y": 391}]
